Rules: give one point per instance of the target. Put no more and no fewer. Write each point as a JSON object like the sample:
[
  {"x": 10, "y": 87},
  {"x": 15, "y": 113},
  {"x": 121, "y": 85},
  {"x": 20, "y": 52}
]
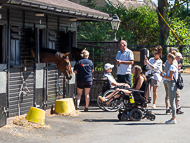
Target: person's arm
[
  {"x": 120, "y": 84},
  {"x": 170, "y": 77},
  {"x": 75, "y": 71},
  {"x": 139, "y": 83},
  {"x": 92, "y": 70},
  {"x": 124, "y": 62}
]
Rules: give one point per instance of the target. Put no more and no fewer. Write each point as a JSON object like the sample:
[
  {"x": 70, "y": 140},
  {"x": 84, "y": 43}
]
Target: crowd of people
[{"x": 124, "y": 61}]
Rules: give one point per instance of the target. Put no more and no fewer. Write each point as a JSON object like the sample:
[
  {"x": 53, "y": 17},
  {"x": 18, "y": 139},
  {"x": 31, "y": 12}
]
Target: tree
[
  {"x": 167, "y": 10},
  {"x": 138, "y": 26}
]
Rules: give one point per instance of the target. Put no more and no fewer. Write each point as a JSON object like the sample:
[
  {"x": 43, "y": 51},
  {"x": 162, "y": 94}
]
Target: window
[
  {"x": 52, "y": 39},
  {"x": 15, "y": 46}
]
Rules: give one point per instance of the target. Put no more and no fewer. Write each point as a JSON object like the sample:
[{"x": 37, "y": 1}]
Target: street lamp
[{"x": 115, "y": 25}]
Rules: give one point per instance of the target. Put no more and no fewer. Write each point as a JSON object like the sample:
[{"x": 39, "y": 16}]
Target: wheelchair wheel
[
  {"x": 114, "y": 105},
  {"x": 152, "y": 117},
  {"x": 135, "y": 114},
  {"x": 119, "y": 116},
  {"x": 124, "y": 117},
  {"x": 100, "y": 105}
]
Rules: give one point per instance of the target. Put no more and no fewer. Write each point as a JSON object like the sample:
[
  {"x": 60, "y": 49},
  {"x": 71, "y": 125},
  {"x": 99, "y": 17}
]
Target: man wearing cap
[
  {"x": 108, "y": 69},
  {"x": 177, "y": 101},
  {"x": 124, "y": 60}
]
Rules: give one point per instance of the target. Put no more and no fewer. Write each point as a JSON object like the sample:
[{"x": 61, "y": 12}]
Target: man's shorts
[
  {"x": 154, "y": 82},
  {"x": 84, "y": 84},
  {"x": 177, "y": 92}
]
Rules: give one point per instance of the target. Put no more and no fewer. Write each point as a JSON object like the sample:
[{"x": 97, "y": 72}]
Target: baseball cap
[
  {"x": 179, "y": 54},
  {"x": 107, "y": 66}
]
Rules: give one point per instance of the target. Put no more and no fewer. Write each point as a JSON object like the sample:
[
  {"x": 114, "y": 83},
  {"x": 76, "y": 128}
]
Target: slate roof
[{"x": 62, "y": 6}]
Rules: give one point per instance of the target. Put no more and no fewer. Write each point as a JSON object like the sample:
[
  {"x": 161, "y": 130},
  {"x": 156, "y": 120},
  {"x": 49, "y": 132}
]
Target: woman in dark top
[
  {"x": 139, "y": 81},
  {"x": 84, "y": 69}
]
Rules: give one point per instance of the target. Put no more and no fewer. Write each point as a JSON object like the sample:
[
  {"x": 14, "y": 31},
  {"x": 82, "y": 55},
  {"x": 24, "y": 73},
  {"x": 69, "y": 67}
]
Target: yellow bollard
[
  {"x": 72, "y": 105},
  {"x": 36, "y": 115},
  {"x": 65, "y": 105}
]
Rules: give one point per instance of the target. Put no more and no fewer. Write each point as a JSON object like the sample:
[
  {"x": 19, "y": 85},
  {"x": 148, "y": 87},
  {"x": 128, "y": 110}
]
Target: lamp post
[{"x": 115, "y": 25}]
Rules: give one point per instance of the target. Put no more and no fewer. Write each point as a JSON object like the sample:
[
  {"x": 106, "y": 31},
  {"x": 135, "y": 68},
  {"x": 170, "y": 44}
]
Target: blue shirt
[
  {"x": 127, "y": 55},
  {"x": 84, "y": 69}
]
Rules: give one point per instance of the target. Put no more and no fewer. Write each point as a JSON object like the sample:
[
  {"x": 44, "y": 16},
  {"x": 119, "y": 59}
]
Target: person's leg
[
  {"x": 177, "y": 102},
  {"x": 172, "y": 95},
  {"x": 167, "y": 97},
  {"x": 79, "y": 94},
  {"x": 87, "y": 97},
  {"x": 127, "y": 79},
  {"x": 177, "y": 98},
  {"x": 119, "y": 79},
  {"x": 154, "y": 94}
]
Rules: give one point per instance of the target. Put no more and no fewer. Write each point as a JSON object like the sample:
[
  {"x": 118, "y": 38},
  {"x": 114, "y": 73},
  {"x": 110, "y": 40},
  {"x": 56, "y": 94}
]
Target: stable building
[{"x": 25, "y": 24}]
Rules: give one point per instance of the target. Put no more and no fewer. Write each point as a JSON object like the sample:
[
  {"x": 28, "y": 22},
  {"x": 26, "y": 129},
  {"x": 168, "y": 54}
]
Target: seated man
[
  {"x": 139, "y": 83},
  {"x": 108, "y": 69}
]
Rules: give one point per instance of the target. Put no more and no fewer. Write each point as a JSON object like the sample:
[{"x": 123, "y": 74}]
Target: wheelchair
[
  {"x": 116, "y": 104},
  {"x": 137, "y": 110}
]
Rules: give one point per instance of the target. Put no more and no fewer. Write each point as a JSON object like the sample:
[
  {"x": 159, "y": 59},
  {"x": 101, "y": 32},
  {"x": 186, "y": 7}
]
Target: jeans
[
  {"x": 172, "y": 95},
  {"x": 124, "y": 79}
]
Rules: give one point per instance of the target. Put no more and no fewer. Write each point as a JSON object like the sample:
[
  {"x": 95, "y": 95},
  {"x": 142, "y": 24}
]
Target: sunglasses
[{"x": 155, "y": 53}]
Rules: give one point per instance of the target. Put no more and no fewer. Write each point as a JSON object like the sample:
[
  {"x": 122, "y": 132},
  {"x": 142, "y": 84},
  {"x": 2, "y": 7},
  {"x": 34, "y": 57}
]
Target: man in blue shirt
[{"x": 124, "y": 61}]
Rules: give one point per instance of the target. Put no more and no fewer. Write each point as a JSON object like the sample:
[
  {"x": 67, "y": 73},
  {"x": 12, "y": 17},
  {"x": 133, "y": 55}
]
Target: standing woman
[
  {"x": 172, "y": 73},
  {"x": 84, "y": 69},
  {"x": 155, "y": 64}
]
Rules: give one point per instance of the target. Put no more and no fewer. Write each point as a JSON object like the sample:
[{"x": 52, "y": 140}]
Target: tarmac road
[{"x": 97, "y": 126}]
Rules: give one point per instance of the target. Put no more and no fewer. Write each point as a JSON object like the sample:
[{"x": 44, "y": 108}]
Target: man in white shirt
[
  {"x": 124, "y": 60},
  {"x": 108, "y": 69}
]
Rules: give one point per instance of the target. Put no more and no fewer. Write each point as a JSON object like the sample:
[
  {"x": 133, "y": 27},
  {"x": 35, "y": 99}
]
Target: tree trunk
[{"x": 164, "y": 29}]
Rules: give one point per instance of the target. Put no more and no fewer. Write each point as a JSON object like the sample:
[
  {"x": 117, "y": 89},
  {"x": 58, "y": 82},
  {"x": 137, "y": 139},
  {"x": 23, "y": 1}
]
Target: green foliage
[
  {"x": 138, "y": 26},
  {"x": 183, "y": 32}
]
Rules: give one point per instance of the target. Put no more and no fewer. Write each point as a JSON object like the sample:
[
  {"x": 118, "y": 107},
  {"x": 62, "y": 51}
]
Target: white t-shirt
[
  {"x": 175, "y": 69},
  {"x": 157, "y": 64},
  {"x": 127, "y": 55},
  {"x": 110, "y": 78}
]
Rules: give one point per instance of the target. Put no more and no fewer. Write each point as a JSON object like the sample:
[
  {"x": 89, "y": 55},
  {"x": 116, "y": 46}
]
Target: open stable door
[{"x": 3, "y": 95}]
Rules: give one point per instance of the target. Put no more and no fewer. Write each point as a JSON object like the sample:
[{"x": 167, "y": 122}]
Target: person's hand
[
  {"x": 117, "y": 62},
  {"x": 162, "y": 74},
  {"x": 126, "y": 85},
  {"x": 145, "y": 61},
  {"x": 181, "y": 70}
]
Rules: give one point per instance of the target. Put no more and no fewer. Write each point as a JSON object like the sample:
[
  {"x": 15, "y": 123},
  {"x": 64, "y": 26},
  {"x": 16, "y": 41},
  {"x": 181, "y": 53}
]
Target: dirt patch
[
  {"x": 187, "y": 70},
  {"x": 22, "y": 121},
  {"x": 73, "y": 113}
]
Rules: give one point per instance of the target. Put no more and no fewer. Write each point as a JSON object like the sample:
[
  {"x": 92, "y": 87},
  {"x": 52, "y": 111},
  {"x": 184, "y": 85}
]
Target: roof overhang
[{"x": 82, "y": 14}]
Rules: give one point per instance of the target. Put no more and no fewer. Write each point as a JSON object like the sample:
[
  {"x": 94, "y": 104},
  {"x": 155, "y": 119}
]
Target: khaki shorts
[
  {"x": 177, "y": 92},
  {"x": 154, "y": 82}
]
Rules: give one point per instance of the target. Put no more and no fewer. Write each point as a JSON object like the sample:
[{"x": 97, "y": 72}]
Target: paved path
[{"x": 97, "y": 126}]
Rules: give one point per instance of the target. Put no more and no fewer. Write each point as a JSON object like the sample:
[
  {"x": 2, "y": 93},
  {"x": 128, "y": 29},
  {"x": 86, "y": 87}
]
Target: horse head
[{"x": 65, "y": 67}]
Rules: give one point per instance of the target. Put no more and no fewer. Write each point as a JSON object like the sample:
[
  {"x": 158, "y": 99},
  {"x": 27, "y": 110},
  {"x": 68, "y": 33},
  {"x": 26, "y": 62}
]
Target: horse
[{"x": 60, "y": 59}]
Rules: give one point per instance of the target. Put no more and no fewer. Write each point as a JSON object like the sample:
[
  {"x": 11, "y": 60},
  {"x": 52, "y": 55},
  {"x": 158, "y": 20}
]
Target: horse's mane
[{"x": 54, "y": 52}]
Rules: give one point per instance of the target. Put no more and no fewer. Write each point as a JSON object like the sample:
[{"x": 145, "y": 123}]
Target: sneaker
[
  {"x": 171, "y": 121},
  {"x": 168, "y": 111},
  {"x": 85, "y": 109},
  {"x": 178, "y": 111},
  {"x": 77, "y": 107},
  {"x": 154, "y": 106},
  {"x": 101, "y": 99}
]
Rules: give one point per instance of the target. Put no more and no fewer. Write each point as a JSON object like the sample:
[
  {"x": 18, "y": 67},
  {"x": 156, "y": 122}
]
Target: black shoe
[
  {"x": 168, "y": 111},
  {"x": 178, "y": 111},
  {"x": 85, "y": 109}
]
